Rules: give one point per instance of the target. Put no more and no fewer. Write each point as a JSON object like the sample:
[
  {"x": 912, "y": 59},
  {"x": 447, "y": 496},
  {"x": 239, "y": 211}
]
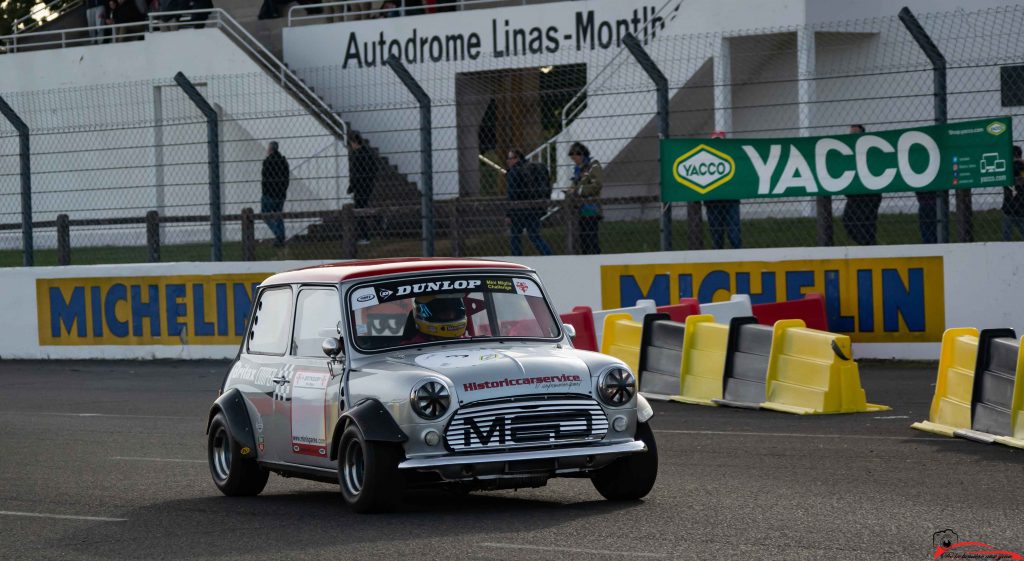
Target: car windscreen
[{"x": 426, "y": 310}]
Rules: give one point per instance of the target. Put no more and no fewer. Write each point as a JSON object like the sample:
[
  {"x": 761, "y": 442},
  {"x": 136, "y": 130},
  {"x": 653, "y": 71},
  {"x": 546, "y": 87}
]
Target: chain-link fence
[{"x": 106, "y": 156}]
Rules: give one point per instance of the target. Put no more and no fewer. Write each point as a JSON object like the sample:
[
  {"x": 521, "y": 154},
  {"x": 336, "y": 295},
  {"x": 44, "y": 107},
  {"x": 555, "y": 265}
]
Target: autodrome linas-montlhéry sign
[
  {"x": 962, "y": 155},
  {"x": 588, "y": 29}
]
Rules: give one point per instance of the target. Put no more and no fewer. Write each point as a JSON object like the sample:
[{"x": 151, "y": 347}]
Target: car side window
[
  {"x": 268, "y": 333},
  {"x": 317, "y": 316}
]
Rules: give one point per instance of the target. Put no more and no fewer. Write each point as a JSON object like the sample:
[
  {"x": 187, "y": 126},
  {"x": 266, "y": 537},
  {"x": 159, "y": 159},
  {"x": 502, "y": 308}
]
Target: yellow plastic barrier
[
  {"x": 1017, "y": 408},
  {"x": 621, "y": 338},
  {"x": 807, "y": 375},
  {"x": 954, "y": 386},
  {"x": 703, "y": 366}
]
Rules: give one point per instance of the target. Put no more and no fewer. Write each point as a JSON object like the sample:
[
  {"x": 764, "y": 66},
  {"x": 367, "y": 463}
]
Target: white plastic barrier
[
  {"x": 642, "y": 308},
  {"x": 738, "y": 306}
]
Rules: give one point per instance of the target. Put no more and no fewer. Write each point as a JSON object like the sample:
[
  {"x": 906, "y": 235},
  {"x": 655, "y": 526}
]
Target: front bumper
[{"x": 553, "y": 462}]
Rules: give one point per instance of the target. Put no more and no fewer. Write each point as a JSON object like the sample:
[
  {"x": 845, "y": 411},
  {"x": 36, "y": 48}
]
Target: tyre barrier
[
  {"x": 812, "y": 372},
  {"x": 637, "y": 312},
  {"x": 811, "y": 309},
  {"x": 622, "y": 338},
  {"x": 679, "y": 312},
  {"x": 582, "y": 319},
  {"x": 979, "y": 394},
  {"x": 737, "y": 306}
]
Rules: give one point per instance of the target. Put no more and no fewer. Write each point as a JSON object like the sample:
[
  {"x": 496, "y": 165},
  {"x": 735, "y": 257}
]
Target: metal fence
[{"x": 106, "y": 156}]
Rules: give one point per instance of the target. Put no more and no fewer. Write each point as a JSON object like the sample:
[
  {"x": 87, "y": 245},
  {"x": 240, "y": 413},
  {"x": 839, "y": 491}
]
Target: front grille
[{"x": 530, "y": 423}]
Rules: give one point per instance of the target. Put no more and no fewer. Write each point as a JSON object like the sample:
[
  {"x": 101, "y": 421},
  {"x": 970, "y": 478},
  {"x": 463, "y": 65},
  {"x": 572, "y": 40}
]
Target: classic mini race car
[{"x": 383, "y": 375}]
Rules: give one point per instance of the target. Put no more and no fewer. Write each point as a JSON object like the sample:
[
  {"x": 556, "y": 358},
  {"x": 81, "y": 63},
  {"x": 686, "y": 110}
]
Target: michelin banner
[
  {"x": 962, "y": 155},
  {"x": 164, "y": 310},
  {"x": 878, "y": 300}
]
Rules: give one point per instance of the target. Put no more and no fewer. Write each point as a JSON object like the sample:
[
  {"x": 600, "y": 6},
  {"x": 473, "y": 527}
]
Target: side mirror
[
  {"x": 331, "y": 347},
  {"x": 570, "y": 330}
]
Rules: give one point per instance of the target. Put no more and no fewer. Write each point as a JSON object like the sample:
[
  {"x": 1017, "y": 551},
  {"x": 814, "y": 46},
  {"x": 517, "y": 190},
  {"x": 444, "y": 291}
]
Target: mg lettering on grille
[{"x": 517, "y": 425}]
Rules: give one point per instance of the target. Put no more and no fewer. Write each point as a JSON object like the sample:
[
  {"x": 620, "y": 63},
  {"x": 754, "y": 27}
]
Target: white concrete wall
[{"x": 982, "y": 289}]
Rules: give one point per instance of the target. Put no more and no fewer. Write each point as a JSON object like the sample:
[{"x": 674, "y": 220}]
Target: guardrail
[{"x": 361, "y": 12}]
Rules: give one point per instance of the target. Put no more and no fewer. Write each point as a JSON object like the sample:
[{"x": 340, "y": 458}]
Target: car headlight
[
  {"x": 430, "y": 399},
  {"x": 616, "y": 386}
]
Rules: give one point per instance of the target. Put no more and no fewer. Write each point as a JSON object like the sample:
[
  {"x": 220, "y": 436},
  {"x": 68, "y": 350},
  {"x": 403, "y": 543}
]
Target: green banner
[{"x": 961, "y": 155}]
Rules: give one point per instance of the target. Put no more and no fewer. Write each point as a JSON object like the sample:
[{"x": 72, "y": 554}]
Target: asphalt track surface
[{"x": 105, "y": 460}]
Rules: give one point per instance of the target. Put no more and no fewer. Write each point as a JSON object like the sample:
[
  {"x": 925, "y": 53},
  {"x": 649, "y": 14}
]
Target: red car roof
[{"x": 348, "y": 270}]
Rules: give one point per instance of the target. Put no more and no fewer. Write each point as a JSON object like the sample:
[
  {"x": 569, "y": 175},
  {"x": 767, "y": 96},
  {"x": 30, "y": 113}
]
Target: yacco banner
[
  {"x": 169, "y": 310},
  {"x": 955, "y": 156},
  {"x": 890, "y": 300}
]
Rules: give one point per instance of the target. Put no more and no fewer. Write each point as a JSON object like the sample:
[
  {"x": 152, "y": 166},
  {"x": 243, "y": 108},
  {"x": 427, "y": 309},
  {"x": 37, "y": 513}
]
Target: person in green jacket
[{"x": 587, "y": 180}]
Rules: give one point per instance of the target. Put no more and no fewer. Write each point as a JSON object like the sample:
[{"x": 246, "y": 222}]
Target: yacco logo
[
  {"x": 703, "y": 169},
  {"x": 996, "y": 128}
]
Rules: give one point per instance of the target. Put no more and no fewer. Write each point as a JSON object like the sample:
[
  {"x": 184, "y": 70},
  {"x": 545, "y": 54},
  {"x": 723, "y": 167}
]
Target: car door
[
  {"x": 315, "y": 403},
  {"x": 265, "y": 354}
]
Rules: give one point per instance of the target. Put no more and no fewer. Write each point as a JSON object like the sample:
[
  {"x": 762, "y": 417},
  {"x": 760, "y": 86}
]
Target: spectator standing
[
  {"x": 526, "y": 181},
  {"x": 275, "y": 177},
  {"x": 389, "y": 9},
  {"x": 927, "y": 214},
  {"x": 127, "y": 11},
  {"x": 724, "y": 218},
  {"x": 860, "y": 218},
  {"x": 94, "y": 19},
  {"x": 587, "y": 181},
  {"x": 362, "y": 177},
  {"x": 1013, "y": 199}
]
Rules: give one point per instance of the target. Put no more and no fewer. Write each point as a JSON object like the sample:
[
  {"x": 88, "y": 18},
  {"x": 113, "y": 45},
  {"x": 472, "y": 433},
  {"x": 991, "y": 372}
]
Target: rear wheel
[
  {"x": 631, "y": 477},
  {"x": 368, "y": 472},
  {"x": 233, "y": 474}
]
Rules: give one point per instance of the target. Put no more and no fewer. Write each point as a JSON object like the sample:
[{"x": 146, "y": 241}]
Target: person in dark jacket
[
  {"x": 860, "y": 219},
  {"x": 362, "y": 177},
  {"x": 1013, "y": 199},
  {"x": 519, "y": 183},
  {"x": 275, "y": 189}
]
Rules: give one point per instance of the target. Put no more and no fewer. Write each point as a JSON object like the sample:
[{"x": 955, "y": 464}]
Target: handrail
[
  {"x": 63, "y": 33},
  {"x": 458, "y": 4},
  {"x": 67, "y": 5}
]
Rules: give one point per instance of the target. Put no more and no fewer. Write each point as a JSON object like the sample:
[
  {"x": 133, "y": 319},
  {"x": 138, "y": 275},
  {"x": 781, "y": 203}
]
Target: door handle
[{"x": 279, "y": 380}]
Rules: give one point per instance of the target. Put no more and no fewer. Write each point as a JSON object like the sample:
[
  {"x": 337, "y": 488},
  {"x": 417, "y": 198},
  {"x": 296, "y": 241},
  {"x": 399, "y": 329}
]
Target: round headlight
[
  {"x": 616, "y": 386},
  {"x": 430, "y": 399}
]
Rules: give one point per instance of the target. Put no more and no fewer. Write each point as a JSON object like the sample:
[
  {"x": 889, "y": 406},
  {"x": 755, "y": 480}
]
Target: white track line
[
  {"x": 803, "y": 435},
  {"x": 54, "y": 414},
  {"x": 62, "y": 516},
  {"x": 574, "y": 550},
  {"x": 158, "y": 459}
]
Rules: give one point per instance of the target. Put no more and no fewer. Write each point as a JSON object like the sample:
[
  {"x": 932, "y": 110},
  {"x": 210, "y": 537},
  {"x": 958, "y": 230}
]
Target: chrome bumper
[{"x": 604, "y": 453}]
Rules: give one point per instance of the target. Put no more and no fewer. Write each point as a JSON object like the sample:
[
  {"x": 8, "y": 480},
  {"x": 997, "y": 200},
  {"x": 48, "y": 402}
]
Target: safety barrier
[
  {"x": 661, "y": 354},
  {"x": 812, "y": 372},
  {"x": 637, "y": 312},
  {"x": 737, "y": 306},
  {"x": 811, "y": 309},
  {"x": 746, "y": 364},
  {"x": 582, "y": 319},
  {"x": 621, "y": 339},
  {"x": 679, "y": 312},
  {"x": 980, "y": 399},
  {"x": 703, "y": 360}
]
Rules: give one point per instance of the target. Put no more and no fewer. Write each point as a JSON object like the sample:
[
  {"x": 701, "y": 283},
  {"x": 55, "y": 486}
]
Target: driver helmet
[{"x": 440, "y": 316}]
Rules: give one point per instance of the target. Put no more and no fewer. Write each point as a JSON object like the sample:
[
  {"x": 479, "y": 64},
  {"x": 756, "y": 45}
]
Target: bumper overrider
[{"x": 552, "y": 462}]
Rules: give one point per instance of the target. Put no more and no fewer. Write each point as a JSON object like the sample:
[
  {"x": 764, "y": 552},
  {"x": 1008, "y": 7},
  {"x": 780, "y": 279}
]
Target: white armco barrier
[
  {"x": 637, "y": 312},
  {"x": 736, "y": 307}
]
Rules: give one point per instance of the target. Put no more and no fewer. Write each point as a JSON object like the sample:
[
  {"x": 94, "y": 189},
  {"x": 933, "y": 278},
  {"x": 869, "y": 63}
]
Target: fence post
[
  {"x": 939, "y": 91},
  {"x": 213, "y": 157},
  {"x": 25, "y": 165},
  {"x": 695, "y": 235},
  {"x": 426, "y": 150},
  {"x": 661, "y": 85},
  {"x": 63, "y": 240},
  {"x": 153, "y": 235},
  {"x": 248, "y": 234}
]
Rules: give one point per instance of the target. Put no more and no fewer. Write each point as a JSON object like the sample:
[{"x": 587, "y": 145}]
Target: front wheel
[
  {"x": 632, "y": 477},
  {"x": 368, "y": 472},
  {"x": 233, "y": 474}
]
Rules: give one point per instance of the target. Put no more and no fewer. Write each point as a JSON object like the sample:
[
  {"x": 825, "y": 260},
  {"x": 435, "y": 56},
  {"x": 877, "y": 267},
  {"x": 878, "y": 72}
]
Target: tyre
[
  {"x": 234, "y": 475},
  {"x": 368, "y": 472},
  {"x": 631, "y": 477}
]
